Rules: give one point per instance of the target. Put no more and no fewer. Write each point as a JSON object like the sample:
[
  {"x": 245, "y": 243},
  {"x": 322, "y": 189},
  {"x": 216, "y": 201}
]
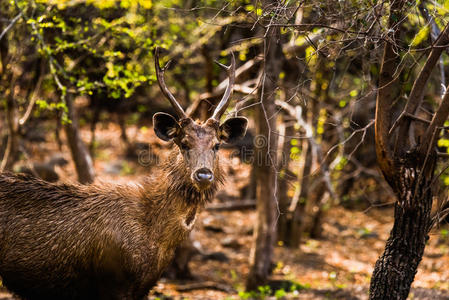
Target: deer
[{"x": 107, "y": 240}]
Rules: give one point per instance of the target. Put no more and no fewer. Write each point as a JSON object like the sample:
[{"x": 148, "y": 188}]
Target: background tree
[{"x": 265, "y": 166}]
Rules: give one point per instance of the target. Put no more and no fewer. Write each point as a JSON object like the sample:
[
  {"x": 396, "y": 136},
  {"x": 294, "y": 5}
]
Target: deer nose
[{"x": 203, "y": 176}]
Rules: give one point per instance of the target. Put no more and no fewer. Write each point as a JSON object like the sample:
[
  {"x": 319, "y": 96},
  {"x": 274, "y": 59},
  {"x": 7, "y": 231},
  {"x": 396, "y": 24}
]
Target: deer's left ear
[{"x": 233, "y": 129}]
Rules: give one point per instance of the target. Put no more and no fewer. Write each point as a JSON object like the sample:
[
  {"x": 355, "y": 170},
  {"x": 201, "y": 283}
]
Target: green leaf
[{"x": 422, "y": 35}]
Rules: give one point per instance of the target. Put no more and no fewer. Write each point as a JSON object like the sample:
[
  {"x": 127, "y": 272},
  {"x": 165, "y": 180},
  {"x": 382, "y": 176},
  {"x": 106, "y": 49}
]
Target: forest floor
[{"x": 337, "y": 266}]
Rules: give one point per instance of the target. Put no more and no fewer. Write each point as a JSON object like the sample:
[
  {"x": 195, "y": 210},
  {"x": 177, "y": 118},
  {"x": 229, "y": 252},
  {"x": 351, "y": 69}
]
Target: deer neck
[
  {"x": 173, "y": 205},
  {"x": 174, "y": 200}
]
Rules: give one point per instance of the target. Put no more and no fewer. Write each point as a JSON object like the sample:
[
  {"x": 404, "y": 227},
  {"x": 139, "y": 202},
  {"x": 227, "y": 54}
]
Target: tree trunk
[
  {"x": 265, "y": 169},
  {"x": 396, "y": 268},
  {"x": 315, "y": 208},
  {"x": 408, "y": 169},
  {"x": 249, "y": 192},
  {"x": 389, "y": 90},
  {"x": 310, "y": 149},
  {"x": 11, "y": 154},
  {"x": 283, "y": 184},
  {"x": 205, "y": 109},
  {"x": 80, "y": 155},
  {"x": 300, "y": 199}
]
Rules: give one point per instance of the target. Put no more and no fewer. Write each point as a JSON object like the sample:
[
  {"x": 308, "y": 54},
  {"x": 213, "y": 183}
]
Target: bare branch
[
  {"x": 417, "y": 92},
  {"x": 406, "y": 115},
  {"x": 434, "y": 34},
  {"x": 437, "y": 121}
]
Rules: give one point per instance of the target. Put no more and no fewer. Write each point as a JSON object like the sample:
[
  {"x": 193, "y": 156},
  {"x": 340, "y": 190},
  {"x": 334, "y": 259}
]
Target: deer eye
[{"x": 216, "y": 147}]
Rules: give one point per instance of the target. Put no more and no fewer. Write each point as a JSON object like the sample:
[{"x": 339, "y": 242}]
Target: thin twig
[
  {"x": 16, "y": 18},
  {"x": 33, "y": 100}
]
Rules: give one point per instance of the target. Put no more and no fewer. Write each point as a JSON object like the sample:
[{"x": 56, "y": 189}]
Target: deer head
[{"x": 198, "y": 142}]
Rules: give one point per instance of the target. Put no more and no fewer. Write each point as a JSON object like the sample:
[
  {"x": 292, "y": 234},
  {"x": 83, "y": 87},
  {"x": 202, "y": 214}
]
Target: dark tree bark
[
  {"x": 395, "y": 270},
  {"x": 79, "y": 152},
  {"x": 265, "y": 168}
]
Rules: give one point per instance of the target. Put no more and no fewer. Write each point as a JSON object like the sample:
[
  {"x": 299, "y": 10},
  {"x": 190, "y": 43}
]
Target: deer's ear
[
  {"x": 165, "y": 126},
  {"x": 233, "y": 129}
]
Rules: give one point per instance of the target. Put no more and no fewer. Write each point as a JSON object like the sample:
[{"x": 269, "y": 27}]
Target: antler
[
  {"x": 224, "y": 102},
  {"x": 160, "y": 79}
]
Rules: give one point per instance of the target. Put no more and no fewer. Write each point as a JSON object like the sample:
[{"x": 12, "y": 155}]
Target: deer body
[
  {"x": 100, "y": 241},
  {"x": 105, "y": 241}
]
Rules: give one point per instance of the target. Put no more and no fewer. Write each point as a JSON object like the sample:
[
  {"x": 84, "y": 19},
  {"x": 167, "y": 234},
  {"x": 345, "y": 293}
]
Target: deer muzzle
[{"x": 203, "y": 177}]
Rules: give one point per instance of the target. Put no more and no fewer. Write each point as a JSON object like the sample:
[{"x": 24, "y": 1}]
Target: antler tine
[
  {"x": 160, "y": 79},
  {"x": 224, "y": 102}
]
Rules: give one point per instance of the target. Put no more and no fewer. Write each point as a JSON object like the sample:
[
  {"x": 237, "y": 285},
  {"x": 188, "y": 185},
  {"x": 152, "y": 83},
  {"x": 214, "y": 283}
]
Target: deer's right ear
[{"x": 165, "y": 126}]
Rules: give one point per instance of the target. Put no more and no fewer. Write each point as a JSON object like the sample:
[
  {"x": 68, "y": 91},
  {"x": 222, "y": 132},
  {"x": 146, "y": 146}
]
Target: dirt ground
[{"x": 338, "y": 266}]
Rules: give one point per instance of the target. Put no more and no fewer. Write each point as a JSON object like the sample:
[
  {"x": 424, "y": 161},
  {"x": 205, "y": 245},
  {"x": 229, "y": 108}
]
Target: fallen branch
[{"x": 209, "y": 285}]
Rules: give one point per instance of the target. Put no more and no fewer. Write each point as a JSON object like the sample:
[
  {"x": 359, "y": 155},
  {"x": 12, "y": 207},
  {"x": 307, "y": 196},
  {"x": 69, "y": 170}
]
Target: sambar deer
[{"x": 106, "y": 241}]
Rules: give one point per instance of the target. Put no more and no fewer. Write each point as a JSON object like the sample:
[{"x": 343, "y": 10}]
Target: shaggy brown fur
[{"x": 60, "y": 241}]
